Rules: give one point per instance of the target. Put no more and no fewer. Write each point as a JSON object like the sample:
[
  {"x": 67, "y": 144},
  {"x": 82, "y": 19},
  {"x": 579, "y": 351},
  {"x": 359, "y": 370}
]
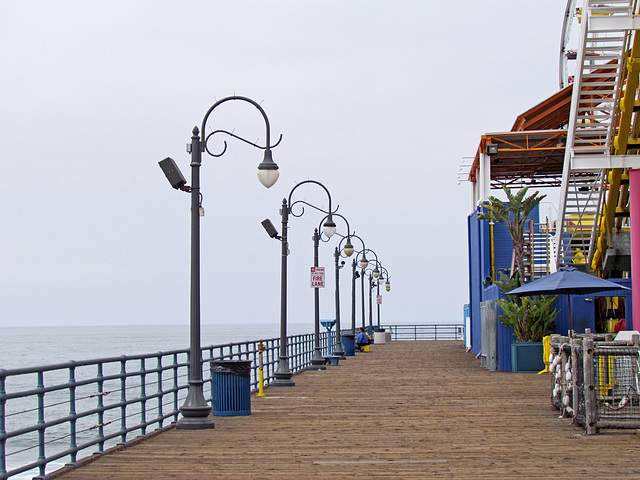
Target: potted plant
[{"x": 532, "y": 319}]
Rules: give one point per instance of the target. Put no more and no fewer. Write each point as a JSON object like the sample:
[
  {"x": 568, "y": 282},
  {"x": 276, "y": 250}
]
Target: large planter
[{"x": 527, "y": 357}]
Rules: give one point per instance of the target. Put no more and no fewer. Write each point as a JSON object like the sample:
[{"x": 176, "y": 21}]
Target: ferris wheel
[{"x": 567, "y": 49}]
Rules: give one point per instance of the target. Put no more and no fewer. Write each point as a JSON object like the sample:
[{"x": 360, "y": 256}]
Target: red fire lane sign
[{"x": 317, "y": 277}]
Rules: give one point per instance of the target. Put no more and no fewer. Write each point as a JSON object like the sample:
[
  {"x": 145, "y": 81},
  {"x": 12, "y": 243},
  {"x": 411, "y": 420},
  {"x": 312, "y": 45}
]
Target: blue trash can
[
  {"x": 230, "y": 387},
  {"x": 348, "y": 342}
]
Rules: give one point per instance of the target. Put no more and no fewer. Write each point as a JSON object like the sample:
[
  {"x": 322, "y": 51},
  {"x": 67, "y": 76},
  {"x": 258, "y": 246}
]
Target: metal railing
[
  {"x": 425, "y": 332},
  {"x": 51, "y": 414}
]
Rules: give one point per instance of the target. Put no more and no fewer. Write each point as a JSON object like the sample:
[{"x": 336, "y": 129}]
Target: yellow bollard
[
  {"x": 260, "y": 372},
  {"x": 546, "y": 351}
]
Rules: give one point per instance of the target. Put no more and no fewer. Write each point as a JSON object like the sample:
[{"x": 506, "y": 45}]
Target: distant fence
[
  {"x": 51, "y": 414},
  {"x": 425, "y": 332}
]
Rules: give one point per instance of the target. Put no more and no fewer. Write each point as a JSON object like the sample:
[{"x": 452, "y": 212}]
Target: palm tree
[{"x": 513, "y": 215}]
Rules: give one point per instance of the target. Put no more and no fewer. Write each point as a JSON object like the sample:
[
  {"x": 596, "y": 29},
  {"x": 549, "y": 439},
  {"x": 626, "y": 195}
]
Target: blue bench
[{"x": 331, "y": 359}]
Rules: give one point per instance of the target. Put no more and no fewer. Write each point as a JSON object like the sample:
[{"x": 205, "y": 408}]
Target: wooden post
[
  {"x": 575, "y": 342},
  {"x": 555, "y": 349},
  {"x": 590, "y": 402}
]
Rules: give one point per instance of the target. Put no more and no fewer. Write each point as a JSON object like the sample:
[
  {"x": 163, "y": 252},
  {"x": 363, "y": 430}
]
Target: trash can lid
[{"x": 240, "y": 368}]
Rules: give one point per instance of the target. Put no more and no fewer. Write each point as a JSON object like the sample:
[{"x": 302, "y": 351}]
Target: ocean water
[{"x": 35, "y": 346}]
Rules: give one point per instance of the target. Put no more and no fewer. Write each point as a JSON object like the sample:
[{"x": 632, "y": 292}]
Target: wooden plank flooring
[{"x": 405, "y": 410}]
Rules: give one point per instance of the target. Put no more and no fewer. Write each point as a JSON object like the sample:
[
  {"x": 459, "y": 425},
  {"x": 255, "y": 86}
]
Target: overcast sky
[{"x": 378, "y": 100}]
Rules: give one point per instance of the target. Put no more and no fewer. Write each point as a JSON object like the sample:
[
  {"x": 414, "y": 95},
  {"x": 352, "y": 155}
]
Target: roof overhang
[{"x": 523, "y": 158}]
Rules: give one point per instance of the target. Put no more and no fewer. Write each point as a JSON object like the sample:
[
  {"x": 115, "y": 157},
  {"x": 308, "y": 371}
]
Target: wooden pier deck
[{"x": 405, "y": 410}]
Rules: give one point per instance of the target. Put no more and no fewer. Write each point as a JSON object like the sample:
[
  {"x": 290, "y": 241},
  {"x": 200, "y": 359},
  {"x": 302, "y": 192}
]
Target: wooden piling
[{"x": 590, "y": 401}]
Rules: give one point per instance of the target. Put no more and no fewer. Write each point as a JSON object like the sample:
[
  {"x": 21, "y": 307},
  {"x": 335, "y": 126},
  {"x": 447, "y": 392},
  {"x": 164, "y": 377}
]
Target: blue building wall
[
  {"x": 479, "y": 268},
  {"x": 583, "y": 309},
  {"x": 502, "y": 250}
]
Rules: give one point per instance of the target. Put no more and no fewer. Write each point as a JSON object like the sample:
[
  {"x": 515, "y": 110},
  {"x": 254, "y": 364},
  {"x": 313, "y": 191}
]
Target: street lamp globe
[
  {"x": 376, "y": 272},
  {"x": 348, "y": 248},
  {"x": 388, "y": 286},
  {"x": 268, "y": 170},
  {"x": 329, "y": 228},
  {"x": 364, "y": 262}
]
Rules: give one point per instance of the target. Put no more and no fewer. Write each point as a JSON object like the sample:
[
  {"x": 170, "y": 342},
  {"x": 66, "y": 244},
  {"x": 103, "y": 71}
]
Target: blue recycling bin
[
  {"x": 230, "y": 387},
  {"x": 348, "y": 341}
]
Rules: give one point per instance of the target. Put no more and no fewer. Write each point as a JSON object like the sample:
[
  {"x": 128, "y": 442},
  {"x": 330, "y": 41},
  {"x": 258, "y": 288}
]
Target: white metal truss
[{"x": 598, "y": 76}]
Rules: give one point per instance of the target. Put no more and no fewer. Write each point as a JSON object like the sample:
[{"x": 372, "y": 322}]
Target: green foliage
[
  {"x": 513, "y": 214},
  {"x": 532, "y": 318},
  {"x": 541, "y": 316},
  {"x": 506, "y": 284}
]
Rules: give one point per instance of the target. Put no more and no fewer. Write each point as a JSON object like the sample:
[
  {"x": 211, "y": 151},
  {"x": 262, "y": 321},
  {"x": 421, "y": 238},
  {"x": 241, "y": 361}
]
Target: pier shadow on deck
[{"x": 423, "y": 409}]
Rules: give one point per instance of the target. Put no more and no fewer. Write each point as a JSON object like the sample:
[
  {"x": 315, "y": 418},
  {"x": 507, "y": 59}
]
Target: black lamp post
[
  {"x": 354, "y": 275},
  {"x": 372, "y": 282},
  {"x": 364, "y": 263},
  {"x": 195, "y": 410},
  {"x": 384, "y": 273},
  {"x": 317, "y": 359},
  {"x": 283, "y": 373},
  {"x": 384, "y": 277}
]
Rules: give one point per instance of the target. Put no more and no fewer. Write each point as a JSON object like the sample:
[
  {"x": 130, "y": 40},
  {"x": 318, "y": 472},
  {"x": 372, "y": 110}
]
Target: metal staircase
[
  {"x": 537, "y": 250},
  {"x": 541, "y": 250},
  {"x": 591, "y": 129}
]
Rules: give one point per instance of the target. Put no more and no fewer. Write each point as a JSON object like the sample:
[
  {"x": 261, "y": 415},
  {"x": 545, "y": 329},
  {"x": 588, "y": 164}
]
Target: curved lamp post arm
[
  {"x": 376, "y": 262},
  {"x": 267, "y": 169},
  {"x": 329, "y": 225},
  {"x": 310, "y": 181},
  {"x": 293, "y": 214},
  {"x": 363, "y": 261},
  {"x": 348, "y": 247},
  {"x": 244, "y": 99},
  {"x": 384, "y": 275}
]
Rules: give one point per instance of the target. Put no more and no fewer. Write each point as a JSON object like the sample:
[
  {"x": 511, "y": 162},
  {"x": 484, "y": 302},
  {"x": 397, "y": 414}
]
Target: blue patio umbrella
[{"x": 567, "y": 281}]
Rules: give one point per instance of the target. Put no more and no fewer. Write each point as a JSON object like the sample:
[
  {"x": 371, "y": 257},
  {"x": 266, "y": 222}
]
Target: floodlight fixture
[
  {"x": 271, "y": 230},
  {"x": 173, "y": 173}
]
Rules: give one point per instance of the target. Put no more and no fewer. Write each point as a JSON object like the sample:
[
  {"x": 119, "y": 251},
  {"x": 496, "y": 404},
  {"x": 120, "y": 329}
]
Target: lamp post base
[
  {"x": 338, "y": 352},
  {"x": 317, "y": 362},
  {"x": 282, "y": 374},
  {"x": 195, "y": 423},
  {"x": 315, "y": 365},
  {"x": 195, "y": 410}
]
